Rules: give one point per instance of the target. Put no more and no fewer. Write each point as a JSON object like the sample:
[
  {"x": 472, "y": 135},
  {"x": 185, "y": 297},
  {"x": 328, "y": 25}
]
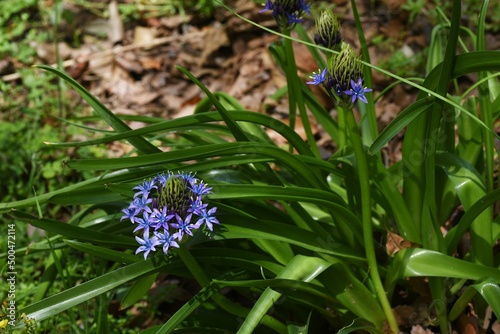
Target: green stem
[
  {"x": 364, "y": 180},
  {"x": 343, "y": 133},
  {"x": 295, "y": 97},
  {"x": 226, "y": 304},
  {"x": 289, "y": 63}
]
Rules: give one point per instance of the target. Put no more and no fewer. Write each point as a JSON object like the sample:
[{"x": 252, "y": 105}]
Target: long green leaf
[
  {"x": 470, "y": 188},
  {"x": 188, "y": 122},
  {"x": 400, "y": 121},
  {"x": 417, "y": 262},
  {"x": 301, "y": 170},
  {"x": 62, "y": 301},
  {"x": 250, "y": 228},
  {"x": 226, "y": 116},
  {"x": 455, "y": 234},
  {"x": 187, "y": 309},
  {"x": 103, "y": 252},
  {"x": 487, "y": 288},
  {"x": 116, "y": 176},
  {"x": 465, "y": 63},
  {"x": 138, "y": 290},
  {"x": 300, "y": 268},
  {"x": 485, "y": 97},
  {"x": 358, "y": 325},
  {"x": 74, "y": 232},
  {"x": 352, "y": 292},
  {"x": 140, "y": 143}
]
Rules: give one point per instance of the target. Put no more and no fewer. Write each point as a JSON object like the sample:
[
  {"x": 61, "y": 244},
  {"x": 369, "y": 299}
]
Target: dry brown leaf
[
  {"x": 215, "y": 38},
  {"x": 150, "y": 63},
  {"x": 467, "y": 324},
  {"x": 143, "y": 35},
  {"x": 129, "y": 65},
  {"x": 396, "y": 243},
  {"x": 77, "y": 69}
]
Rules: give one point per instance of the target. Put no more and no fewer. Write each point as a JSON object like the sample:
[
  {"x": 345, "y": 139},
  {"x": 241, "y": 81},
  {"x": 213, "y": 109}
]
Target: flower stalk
[
  {"x": 343, "y": 80},
  {"x": 366, "y": 217}
]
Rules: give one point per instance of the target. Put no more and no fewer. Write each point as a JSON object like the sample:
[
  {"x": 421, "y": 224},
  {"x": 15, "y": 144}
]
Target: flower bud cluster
[
  {"x": 166, "y": 208},
  {"x": 343, "y": 76}
]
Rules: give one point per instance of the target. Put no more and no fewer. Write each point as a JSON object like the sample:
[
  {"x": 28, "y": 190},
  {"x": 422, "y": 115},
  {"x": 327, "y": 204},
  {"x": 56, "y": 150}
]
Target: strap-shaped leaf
[
  {"x": 74, "y": 232},
  {"x": 138, "y": 142},
  {"x": 235, "y": 129},
  {"x": 487, "y": 288},
  {"x": 417, "y": 262},
  {"x": 62, "y": 301},
  {"x": 402, "y": 119},
  {"x": 469, "y": 188}
]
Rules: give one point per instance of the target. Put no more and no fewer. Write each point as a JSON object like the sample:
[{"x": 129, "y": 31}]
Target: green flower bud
[
  {"x": 328, "y": 31},
  {"x": 175, "y": 195},
  {"x": 344, "y": 67}
]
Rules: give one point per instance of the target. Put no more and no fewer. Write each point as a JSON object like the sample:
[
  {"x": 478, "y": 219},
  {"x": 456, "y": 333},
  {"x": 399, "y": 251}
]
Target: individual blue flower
[
  {"x": 197, "y": 207},
  {"x": 143, "y": 203},
  {"x": 161, "y": 218},
  {"x": 200, "y": 189},
  {"x": 287, "y": 13},
  {"x": 130, "y": 213},
  {"x": 144, "y": 223},
  {"x": 167, "y": 240},
  {"x": 208, "y": 218},
  {"x": 188, "y": 176},
  {"x": 162, "y": 178},
  {"x": 357, "y": 91},
  {"x": 144, "y": 188},
  {"x": 267, "y": 6},
  {"x": 294, "y": 18},
  {"x": 305, "y": 7},
  {"x": 147, "y": 244},
  {"x": 183, "y": 226},
  {"x": 318, "y": 78}
]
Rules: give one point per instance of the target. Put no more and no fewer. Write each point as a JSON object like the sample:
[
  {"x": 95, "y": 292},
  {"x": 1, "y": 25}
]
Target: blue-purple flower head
[
  {"x": 287, "y": 13},
  {"x": 166, "y": 208},
  {"x": 343, "y": 78}
]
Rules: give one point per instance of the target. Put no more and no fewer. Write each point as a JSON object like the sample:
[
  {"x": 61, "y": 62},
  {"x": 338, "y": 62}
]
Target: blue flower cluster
[
  {"x": 166, "y": 208},
  {"x": 357, "y": 91},
  {"x": 287, "y": 12}
]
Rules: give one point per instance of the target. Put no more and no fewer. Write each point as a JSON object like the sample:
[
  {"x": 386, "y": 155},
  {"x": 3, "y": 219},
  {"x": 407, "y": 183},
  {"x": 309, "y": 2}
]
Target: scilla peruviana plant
[
  {"x": 294, "y": 248},
  {"x": 343, "y": 81}
]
